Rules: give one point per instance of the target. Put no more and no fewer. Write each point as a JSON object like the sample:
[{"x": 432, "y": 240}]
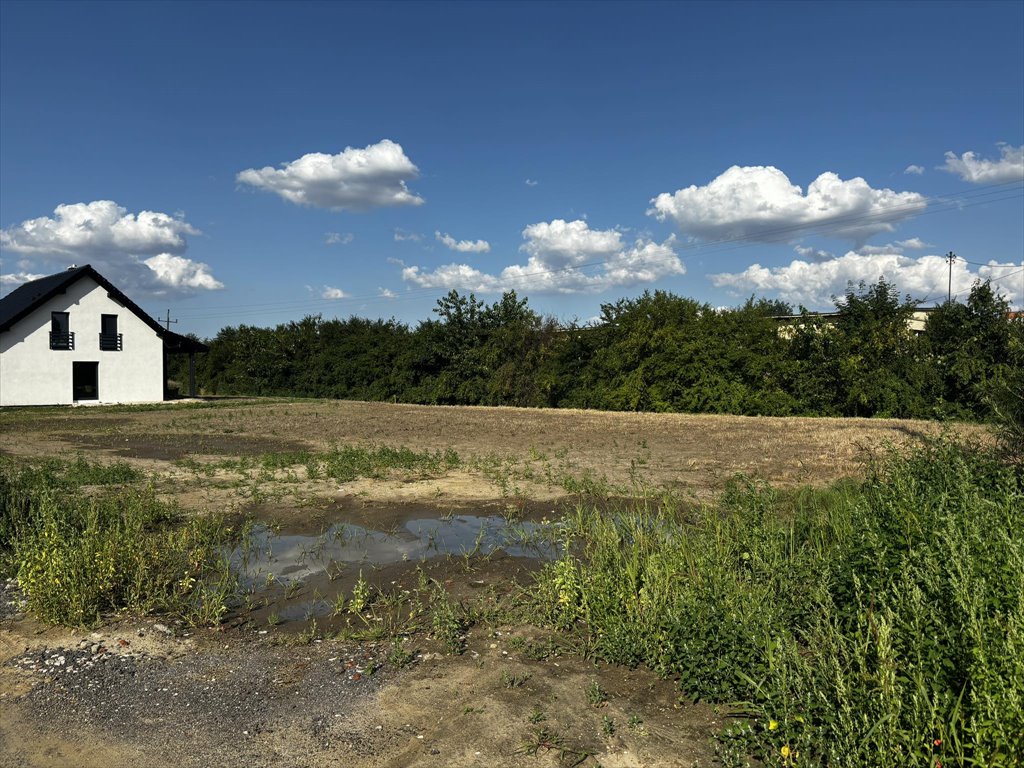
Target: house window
[
  {"x": 110, "y": 339},
  {"x": 61, "y": 336}
]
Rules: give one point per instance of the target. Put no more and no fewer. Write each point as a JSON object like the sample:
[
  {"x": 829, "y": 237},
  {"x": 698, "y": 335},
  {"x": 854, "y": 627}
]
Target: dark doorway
[{"x": 85, "y": 381}]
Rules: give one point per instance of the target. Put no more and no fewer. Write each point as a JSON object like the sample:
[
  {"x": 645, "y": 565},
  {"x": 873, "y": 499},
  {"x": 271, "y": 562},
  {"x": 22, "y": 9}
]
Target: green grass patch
[{"x": 343, "y": 464}]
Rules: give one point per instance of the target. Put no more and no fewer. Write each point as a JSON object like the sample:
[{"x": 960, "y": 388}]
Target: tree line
[{"x": 656, "y": 352}]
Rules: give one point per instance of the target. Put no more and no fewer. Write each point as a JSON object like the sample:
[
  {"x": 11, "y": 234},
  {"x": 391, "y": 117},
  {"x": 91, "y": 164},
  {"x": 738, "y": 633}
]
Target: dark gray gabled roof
[{"x": 26, "y": 297}]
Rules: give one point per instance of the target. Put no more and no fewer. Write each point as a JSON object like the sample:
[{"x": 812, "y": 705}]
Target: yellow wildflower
[{"x": 772, "y": 725}]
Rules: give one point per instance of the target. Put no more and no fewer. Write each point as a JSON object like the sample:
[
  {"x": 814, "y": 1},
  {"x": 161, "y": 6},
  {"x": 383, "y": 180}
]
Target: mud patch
[{"x": 174, "y": 447}]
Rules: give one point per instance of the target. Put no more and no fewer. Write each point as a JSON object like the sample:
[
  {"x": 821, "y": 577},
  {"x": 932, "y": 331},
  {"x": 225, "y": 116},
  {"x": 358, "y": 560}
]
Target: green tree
[
  {"x": 879, "y": 370},
  {"x": 1006, "y": 394},
  {"x": 968, "y": 344}
]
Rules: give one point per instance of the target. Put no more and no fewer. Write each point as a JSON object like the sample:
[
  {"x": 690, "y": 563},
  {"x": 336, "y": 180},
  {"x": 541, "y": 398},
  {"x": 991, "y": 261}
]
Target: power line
[{"x": 1004, "y": 277}]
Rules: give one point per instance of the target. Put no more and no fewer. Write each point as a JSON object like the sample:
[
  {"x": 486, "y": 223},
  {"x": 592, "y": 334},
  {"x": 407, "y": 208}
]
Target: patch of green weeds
[
  {"x": 348, "y": 463},
  {"x": 77, "y": 557},
  {"x": 596, "y": 695},
  {"x": 552, "y": 741},
  {"x": 872, "y": 623},
  {"x": 510, "y": 680},
  {"x": 360, "y": 599},
  {"x": 70, "y": 475},
  {"x": 400, "y": 654},
  {"x": 449, "y": 621},
  {"x": 607, "y": 726},
  {"x": 535, "y": 651},
  {"x": 309, "y": 634},
  {"x": 258, "y": 477}
]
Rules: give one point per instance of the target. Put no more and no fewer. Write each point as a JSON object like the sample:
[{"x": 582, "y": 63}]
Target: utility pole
[
  {"x": 950, "y": 257},
  {"x": 168, "y": 321}
]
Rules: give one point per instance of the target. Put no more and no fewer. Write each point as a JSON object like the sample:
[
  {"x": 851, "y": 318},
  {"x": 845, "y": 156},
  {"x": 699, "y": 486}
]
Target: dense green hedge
[{"x": 657, "y": 352}]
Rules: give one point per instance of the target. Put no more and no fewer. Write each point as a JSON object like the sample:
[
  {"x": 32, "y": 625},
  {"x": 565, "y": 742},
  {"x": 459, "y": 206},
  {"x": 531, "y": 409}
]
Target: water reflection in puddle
[{"x": 268, "y": 557}]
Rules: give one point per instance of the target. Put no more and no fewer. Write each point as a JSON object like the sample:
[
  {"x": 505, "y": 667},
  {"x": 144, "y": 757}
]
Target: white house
[{"x": 75, "y": 338}]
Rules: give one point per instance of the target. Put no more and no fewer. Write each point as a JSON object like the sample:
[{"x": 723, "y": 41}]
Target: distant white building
[
  {"x": 74, "y": 337},
  {"x": 916, "y": 321}
]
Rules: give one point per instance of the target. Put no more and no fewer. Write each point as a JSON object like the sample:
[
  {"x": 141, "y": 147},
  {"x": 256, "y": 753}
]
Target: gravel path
[{"x": 202, "y": 703}]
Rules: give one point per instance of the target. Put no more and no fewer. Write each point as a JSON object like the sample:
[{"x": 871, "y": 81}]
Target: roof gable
[{"x": 27, "y": 297}]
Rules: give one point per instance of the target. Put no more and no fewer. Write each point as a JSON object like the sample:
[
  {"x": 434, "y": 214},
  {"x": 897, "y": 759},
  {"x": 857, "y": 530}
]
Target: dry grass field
[{"x": 693, "y": 452}]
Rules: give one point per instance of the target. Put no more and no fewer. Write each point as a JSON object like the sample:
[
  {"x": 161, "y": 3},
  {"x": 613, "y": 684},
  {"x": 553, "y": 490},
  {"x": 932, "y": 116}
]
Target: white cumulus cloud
[
  {"x": 83, "y": 229},
  {"x": 354, "y": 179},
  {"x": 402, "y": 236},
  {"x": 179, "y": 272},
  {"x": 386, "y": 293},
  {"x": 971, "y": 167},
  {"x": 761, "y": 203},
  {"x": 914, "y": 170},
  {"x": 813, "y": 284},
  {"x": 139, "y": 252},
  {"x": 338, "y": 238},
  {"x": 875, "y": 250},
  {"x": 814, "y": 253},
  {"x": 912, "y": 244},
  {"x": 329, "y": 292},
  {"x": 463, "y": 246},
  {"x": 563, "y": 257}
]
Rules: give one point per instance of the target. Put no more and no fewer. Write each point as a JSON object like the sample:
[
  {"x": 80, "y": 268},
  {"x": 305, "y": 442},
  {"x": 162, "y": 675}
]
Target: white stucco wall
[{"x": 33, "y": 374}]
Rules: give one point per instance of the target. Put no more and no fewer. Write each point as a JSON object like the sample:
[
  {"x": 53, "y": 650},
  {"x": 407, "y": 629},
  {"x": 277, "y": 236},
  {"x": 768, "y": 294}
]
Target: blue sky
[{"x": 254, "y": 163}]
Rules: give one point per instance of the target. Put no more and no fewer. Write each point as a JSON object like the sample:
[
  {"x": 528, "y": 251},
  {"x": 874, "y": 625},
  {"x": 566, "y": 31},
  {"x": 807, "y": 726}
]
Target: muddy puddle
[{"x": 293, "y": 578}]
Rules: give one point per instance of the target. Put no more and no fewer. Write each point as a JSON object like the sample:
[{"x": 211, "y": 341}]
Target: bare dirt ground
[
  {"x": 139, "y": 693},
  {"x": 696, "y": 452}
]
